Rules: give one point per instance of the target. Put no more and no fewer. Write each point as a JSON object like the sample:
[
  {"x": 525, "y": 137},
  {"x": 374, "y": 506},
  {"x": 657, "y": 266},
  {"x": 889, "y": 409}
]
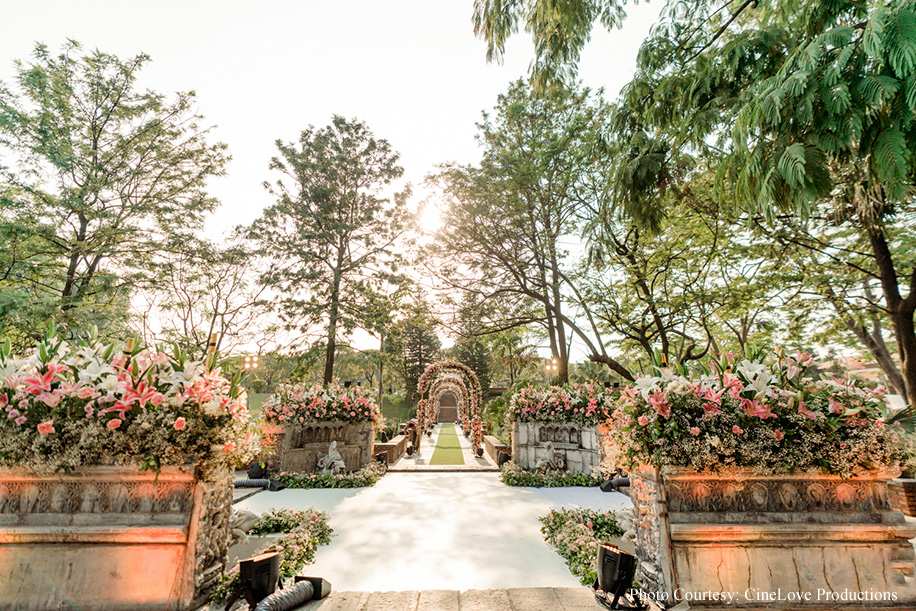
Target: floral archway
[{"x": 461, "y": 381}]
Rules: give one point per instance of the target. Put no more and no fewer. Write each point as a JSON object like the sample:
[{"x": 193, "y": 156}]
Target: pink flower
[
  {"x": 85, "y": 392},
  {"x": 737, "y": 430},
  {"x": 114, "y": 423},
  {"x": 710, "y": 409},
  {"x": 694, "y": 431},
  {"x": 21, "y": 420},
  {"x": 642, "y": 420},
  {"x": 757, "y": 409},
  {"x": 779, "y": 435},
  {"x": 179, "y": 423},
  {"x": 659, "y": 402},
  {"x": 229, "y": 447},
  {"x": 46, "y": 427}
]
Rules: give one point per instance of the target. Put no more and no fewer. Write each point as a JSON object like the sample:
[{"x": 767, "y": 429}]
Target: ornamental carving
[
  {"x": 769, "y": 495},
  {"x": 213, "y": 535},
  {"x": 25, "y": 497}
]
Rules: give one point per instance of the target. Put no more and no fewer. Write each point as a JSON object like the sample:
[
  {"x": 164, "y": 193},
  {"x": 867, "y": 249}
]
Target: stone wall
[
  {"x": 578, "y": 446},
  {"x": 305, "y": 444},
  {"x": 394, "y": 448},
  {"x": 494, "y": 446},
  {"x": 810, "y": 535},
  {"x": 448, "y": 414},
  {"x": 112, "y": 539}
]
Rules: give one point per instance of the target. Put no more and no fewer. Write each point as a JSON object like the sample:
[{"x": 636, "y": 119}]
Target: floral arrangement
[
  {"x": 587, "y": 404},
  {"x": 367, "y": 476},
  {"x": 513, "y": 475},
  {"x": 300, "y": 403},
  {"x": 460, "y": 374},
  {"x": 576, "y": 533},
  {"x": 303, "y": 532},
  {"x": 69, "y": 404},
  {"x": 763, "y": 413}
]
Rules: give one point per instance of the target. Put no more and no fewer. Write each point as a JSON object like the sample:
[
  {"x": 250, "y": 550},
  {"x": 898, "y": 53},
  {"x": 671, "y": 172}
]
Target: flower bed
[
  {"x": 513, "y": 475},
  {"x": 69, "y": 404},
  {"x": 300, "y": 403},
  {"x": 766, "y": 415},
  {"x": 585, "y": 404},
  {"x": 575, "y": 534},
  {"x": 367, "y": 476},
  {"x": 303, "y": 532}
]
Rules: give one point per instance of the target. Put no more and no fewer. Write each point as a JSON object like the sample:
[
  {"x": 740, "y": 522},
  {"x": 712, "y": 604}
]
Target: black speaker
[
  {"x": 616, "y": 570},
  {"x": 259, "y": 575}
]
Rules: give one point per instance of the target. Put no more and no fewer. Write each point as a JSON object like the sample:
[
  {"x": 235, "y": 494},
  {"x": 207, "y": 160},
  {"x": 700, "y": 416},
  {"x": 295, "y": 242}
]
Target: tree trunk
[
  {"x": 381, "y": 367},
  {"x": 901, "y": 310},
  {"x": 332, "y": 330}
]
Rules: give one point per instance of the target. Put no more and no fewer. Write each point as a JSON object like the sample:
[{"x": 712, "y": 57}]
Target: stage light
[{"x": 616, "y": 570}]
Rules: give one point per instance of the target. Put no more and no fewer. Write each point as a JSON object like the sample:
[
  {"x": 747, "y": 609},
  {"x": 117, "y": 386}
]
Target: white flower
[
  {"x": 646, "y": 384},
  {"x": 751, "y": 370},
  {"x": 213, "y": 408},
  {"x": 93, "y": 370},
  {"x": 759, "y": 384},
  {"x": 713, "y": 440},
  {"x": 110, "y": 383}
]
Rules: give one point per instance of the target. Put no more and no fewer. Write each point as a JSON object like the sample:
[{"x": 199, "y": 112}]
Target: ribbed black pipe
[
  {"x": 251, "y": 483},
  {"x": 288, "y": 598}
]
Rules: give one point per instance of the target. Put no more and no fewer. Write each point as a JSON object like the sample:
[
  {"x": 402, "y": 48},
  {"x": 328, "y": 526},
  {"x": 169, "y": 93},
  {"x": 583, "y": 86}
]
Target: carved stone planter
[
  {"x": 902, "y": 494},
  {"x": 303, "y": 445},
  {"x": 775, "y": 542},
  {"x": 579, "y": 447},
  {"x": 111, "y": 539}
]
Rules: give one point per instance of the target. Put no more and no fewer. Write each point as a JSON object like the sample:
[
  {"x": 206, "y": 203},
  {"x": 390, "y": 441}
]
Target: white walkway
[{"x": 452, "y": 531}]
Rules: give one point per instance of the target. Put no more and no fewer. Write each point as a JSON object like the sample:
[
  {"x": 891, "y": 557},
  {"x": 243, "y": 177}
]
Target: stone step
[{"x": 513, "y": 599}]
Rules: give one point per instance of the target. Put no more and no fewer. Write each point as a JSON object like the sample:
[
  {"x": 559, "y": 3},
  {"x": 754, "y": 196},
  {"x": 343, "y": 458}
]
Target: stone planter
[
  {"x": 303, "y": 445},
  {"x": 112, "y": 539},
  {"x": 776, "y": 542},
  {"x": 579, "y": 447},
  {"x": 902, "y": 494}
]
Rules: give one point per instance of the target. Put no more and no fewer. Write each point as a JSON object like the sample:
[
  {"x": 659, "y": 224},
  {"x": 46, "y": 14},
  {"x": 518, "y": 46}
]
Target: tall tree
[
  {"x": 332, "y": 236},
  {"x": 508, "y": 219},
  {"x": 417, "y": 341},
  {"x": 807, "y": 109},
  {"x": 99, "y": 175}
]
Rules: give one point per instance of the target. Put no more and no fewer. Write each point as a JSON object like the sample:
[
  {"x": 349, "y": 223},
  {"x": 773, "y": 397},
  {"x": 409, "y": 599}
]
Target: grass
[
  {"x": 447, "y": 452},
  {"x": 255, "y": 401}
]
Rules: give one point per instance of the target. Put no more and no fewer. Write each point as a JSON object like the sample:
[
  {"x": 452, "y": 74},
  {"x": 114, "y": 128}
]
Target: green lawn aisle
[{"x": 447, "y": 452}]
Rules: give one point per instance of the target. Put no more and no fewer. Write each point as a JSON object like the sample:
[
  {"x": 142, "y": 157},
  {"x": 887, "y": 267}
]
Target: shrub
[
  {"x": 367, "y": 476},
  {"x": 513, "y": 475},
  {"x": 575, "y": 535}
]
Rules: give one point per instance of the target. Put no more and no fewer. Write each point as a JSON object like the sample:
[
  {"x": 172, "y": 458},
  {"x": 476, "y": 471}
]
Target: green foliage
[
  {"x": 367, "y": 476},
  {"x": 416, "y": 341},
  {"x": 331, "y": 234},
  {"x": 576, "y": 533},
  {"x": 513, "y": 475},
  {"x": 102, "y": 179}
]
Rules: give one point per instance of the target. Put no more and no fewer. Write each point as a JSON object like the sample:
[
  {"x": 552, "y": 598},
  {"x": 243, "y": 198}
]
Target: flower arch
[{"x": 459, "y": 379}]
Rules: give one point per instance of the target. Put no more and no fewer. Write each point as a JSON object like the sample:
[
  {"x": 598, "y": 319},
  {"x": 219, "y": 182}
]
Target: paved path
[
  {"x": 513, "y": 599},
  {"x": 421, "y": 462},
  {"x": 432, "y": 531}
]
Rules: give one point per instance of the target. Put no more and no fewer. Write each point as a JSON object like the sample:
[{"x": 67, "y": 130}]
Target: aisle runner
[{"x": 448, "y": 450}]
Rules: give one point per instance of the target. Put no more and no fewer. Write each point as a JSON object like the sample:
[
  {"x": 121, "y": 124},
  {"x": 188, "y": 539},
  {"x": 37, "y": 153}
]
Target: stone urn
[
  {"x": 784, "y": 541},
  {"x": 112, "y": 539}
]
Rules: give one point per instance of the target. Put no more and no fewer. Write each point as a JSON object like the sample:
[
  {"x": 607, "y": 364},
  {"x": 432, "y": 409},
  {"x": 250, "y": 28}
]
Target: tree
[
  {"x": 331, "y": 236},
  {"x": 100, "y": 176},
  {"x": 507, "y": 220},
  {"x": 470, "y": 346},
  {"x": 205, "y": 289},
  {"x": 806, "y": 110},
  {"x": 416, "y": 340}
]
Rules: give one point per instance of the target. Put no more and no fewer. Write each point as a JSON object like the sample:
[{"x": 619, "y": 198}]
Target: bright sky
[{"x": 411, "y": 69}]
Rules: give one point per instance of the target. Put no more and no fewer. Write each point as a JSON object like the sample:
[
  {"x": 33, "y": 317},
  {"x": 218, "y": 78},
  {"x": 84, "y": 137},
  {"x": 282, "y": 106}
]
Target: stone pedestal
[
  {"x": 302, "y": 446},
  {"x": 579, "y": 446},
  {"x": 776, "y": 542},
  {"x": 112, "y": 539}
]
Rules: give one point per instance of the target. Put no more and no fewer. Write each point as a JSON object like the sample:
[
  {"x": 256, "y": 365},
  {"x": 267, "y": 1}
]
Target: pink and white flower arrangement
[
  {"x": 294, "y": 404},
  {"x": 69, "y": 404},
  {"x": 469, "y": 404},
  {"x": 759, "y": 412},
  {"x": 587, "y": 404}
]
